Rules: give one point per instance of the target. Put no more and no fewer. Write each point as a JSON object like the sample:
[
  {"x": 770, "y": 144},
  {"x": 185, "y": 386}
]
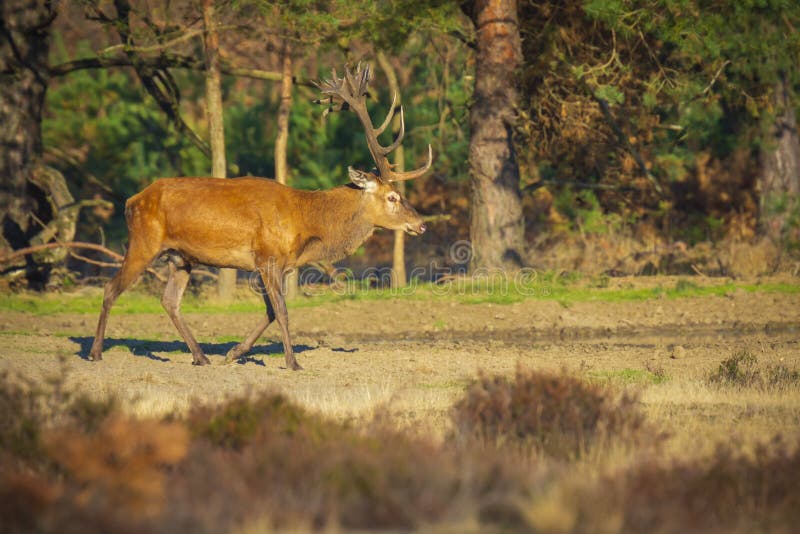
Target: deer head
[{"x": 385, "y": 205}]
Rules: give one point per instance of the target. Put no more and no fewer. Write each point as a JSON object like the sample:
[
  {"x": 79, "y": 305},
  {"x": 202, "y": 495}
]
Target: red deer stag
[{"x": 256, "y": 224}]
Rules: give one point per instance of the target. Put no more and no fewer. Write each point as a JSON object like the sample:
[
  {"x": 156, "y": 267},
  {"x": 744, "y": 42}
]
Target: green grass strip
[{"x": 89, "y": 302}]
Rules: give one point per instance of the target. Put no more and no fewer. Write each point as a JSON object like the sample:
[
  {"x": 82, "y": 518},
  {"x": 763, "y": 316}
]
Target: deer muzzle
[{"x": 415, "y": 228}]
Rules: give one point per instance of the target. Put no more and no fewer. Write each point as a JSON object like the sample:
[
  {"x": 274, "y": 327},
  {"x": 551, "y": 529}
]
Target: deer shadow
[{"x": 148, "y": 348}]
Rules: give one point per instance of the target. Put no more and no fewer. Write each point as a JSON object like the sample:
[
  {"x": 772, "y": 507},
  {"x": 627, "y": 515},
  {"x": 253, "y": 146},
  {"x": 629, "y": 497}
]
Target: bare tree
[
  {"x": 226, "y": 284},
  {"x": 282, "y": 141},
  {"x": 399, "y": 277}
]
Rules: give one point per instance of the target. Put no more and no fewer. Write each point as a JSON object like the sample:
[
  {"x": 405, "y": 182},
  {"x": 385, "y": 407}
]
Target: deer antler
[{"x": 350, "y": 92}]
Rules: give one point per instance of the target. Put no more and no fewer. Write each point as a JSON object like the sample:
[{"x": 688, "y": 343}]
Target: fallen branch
[
  {"x": 93, "y": 262},
  {"x": 99, "y": 248},
  {"x": 203, "y": 272},
  {"x": 79, "y": 245},
  {"x": 72, "y": 244}
]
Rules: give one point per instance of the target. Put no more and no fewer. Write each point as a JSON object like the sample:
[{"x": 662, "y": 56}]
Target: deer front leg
[{"x": 273, "y": 283}]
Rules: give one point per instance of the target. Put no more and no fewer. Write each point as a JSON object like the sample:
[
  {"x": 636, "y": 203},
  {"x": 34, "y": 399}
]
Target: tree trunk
[
  {"x": 282, "y": 141},
  {"x": 30, "y": 193},
  {"x": 226, "y": 284},
  {"x": 399, "y": 277},
  {"x": 496, "y": 223},
  {"x": 780, "y": 178},
  {"x": 24, "y": 45}
]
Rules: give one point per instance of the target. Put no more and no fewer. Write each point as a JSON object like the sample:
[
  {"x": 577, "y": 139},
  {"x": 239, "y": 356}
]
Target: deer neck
[{"x": 343, "y": 225}]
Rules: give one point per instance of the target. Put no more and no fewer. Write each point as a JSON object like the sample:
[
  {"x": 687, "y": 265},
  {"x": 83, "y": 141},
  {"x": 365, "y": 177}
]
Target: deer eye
[{"x": 393, "y": 197}]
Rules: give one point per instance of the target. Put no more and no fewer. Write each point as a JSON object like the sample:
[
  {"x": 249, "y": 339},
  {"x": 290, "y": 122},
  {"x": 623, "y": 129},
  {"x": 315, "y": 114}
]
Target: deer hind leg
[
  {"x": 242, "y": 348},
  {"x": 138, "y": 257},
  {"x": 273, "y": 283},
  {"x": 179, "y": 274}
]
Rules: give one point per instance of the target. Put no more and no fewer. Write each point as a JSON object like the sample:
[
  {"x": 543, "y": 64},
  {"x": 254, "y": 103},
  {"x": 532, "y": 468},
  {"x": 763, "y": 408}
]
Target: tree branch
[
  {"x": 572, "y": 183},
  {"x": 128, "y": 49},
  {"x": 168, "y": 61},
  {"x": 159, "y": 62}
]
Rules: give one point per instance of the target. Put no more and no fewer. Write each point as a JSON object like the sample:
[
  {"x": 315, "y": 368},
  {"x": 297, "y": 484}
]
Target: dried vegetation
[
  {"x": 515, "y": 460},
  {"x": 743, "y": 370}
]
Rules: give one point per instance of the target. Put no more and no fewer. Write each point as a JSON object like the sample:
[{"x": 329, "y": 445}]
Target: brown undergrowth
[
  {"x": 263, "y": 463},
  {"x": 730, "y": 491},
  {"x": 742, "y": 369},
  {"x": 558, "y": 414}
]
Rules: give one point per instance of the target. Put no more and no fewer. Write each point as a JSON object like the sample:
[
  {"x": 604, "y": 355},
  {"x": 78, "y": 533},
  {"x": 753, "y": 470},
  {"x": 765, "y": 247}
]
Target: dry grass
[
  {"x": 698, "y": 415},
  {"x": 364, "y": 438},
  {"x": 554, "y": 453},
  {"x": 743, "y": 370}
]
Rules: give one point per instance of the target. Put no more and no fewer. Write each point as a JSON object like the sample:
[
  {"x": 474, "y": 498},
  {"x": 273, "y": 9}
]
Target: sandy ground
[{"x": 414, "y": 357}]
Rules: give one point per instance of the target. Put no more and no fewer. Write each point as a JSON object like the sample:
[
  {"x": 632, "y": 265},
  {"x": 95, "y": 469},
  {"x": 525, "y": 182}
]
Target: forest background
[{"x": 643, "y": 137}]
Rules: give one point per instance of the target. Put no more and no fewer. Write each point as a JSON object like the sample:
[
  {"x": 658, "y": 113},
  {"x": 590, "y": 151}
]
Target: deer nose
[{"x": 421, "y": 229}]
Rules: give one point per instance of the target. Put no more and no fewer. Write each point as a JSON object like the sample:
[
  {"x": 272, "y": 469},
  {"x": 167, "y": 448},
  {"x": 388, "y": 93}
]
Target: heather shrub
[
  {"x": 235, "y": 423},
  {"x": 731, "y": 491},
  {"x": 743, "y": 369},
  {"x": 24, "y": 499},
  {"x": 558, "y": 414},
  {"x": 89, "y": 414},
  {"x": 255, "y": 460},
  {"x": 47, "y": 481},
  {"x": 265, "y": 453},
  {"x": 121, "y": 462},
  {"x": 20, "y": 421}
]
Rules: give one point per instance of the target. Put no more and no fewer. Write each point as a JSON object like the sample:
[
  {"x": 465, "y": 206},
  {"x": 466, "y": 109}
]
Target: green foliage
[
  {"x": 690, "y": 85},
  {"x": 103, "y": 127},
  {"x": 745, "y": 47},
  {"x": 610, "y": 94},
  {"x": 631, "y": 376},
  {"x": 123, "y": 134},
  {"x": 586, "y": 214},
  {"x": 691, "y": 89},
  {"x": 107, "y": 130},
  {"x": 685, "y": 286},
  {"x": 405, "y": 18}
]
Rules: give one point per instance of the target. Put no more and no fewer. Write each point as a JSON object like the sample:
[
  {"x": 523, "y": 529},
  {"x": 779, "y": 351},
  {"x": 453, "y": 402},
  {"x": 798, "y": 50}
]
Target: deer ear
[{"x": 365, "y": 180}]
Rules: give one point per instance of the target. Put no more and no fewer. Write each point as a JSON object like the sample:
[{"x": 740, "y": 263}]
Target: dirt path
[{"x": 412, "y": 356}]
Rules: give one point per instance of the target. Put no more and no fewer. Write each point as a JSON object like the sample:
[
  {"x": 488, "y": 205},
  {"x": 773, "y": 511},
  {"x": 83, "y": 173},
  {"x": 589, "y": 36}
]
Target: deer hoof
[
  {"x": 201, "y": 360},
  {"x": 294, "y": 366},
  {"x": 95, "y": 357},
  {"x": 234, "y": 354}
]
